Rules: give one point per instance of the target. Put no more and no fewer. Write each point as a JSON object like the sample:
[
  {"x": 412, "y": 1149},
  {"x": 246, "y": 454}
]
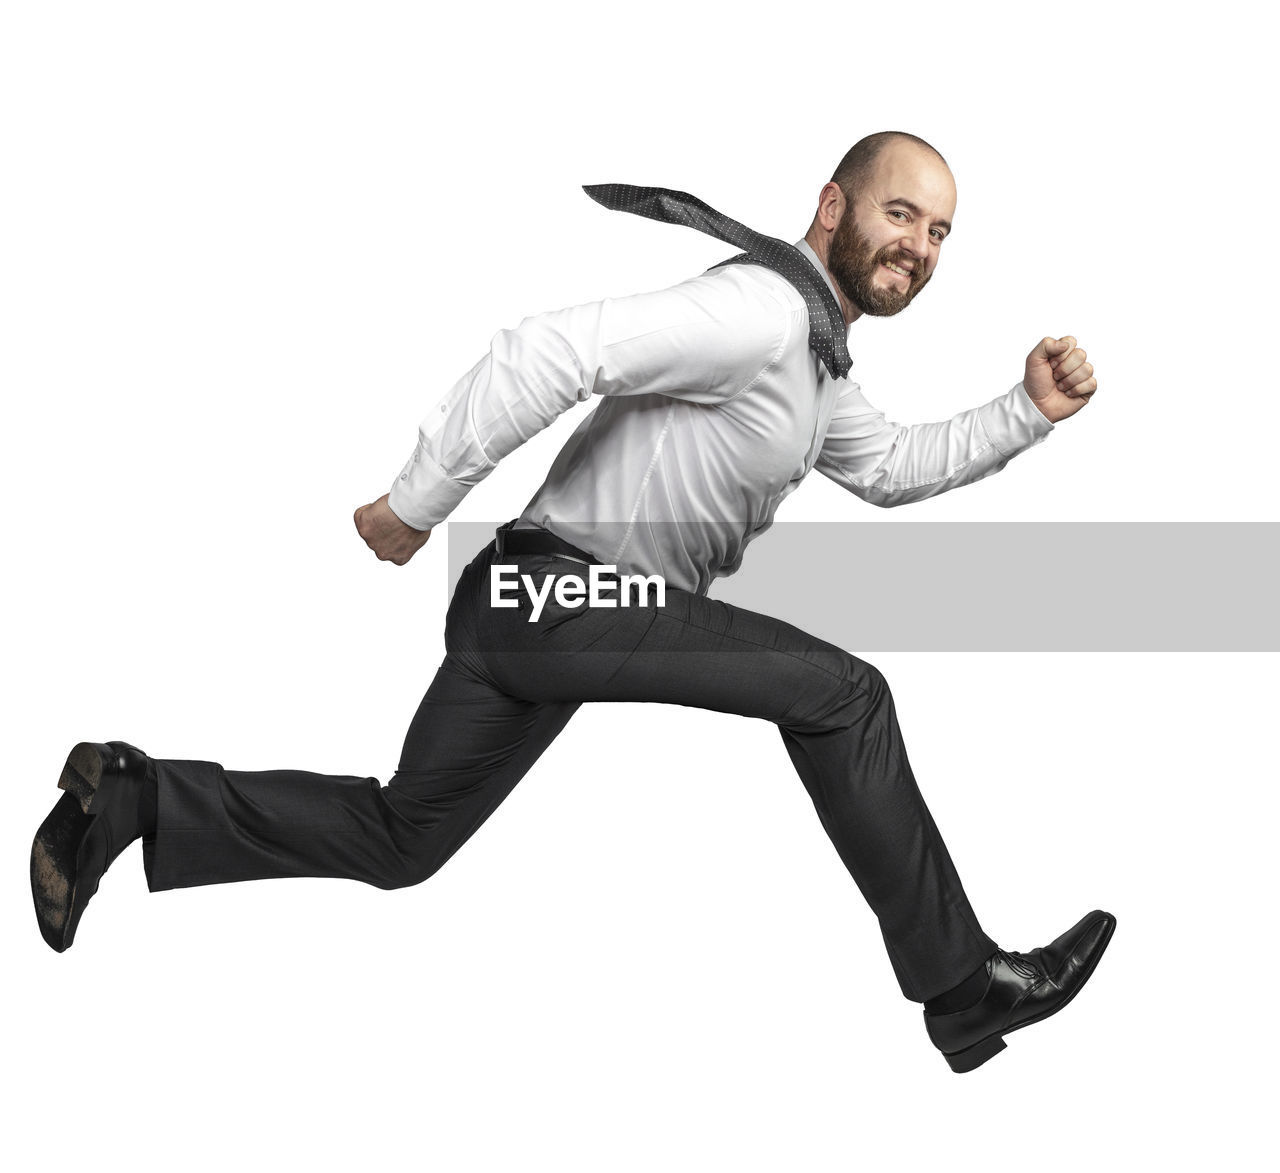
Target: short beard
[{"x": 853, "y": 264}]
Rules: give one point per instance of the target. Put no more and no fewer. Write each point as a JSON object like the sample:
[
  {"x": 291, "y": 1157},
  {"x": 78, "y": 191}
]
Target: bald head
[{"x": 859, "y": 162}]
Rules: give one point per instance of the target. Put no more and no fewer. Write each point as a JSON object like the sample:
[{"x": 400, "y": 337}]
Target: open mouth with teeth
[{"x": 896, "y": 268}]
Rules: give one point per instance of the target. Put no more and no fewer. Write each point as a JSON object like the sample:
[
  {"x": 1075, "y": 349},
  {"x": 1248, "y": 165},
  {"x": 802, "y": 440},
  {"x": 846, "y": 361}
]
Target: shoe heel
[
  {"x": 976, "y": 1055},
  {"x": 82, "y": 773}
]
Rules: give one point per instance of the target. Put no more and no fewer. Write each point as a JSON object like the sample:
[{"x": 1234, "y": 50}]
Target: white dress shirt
[{"x": 713, "y": 409}]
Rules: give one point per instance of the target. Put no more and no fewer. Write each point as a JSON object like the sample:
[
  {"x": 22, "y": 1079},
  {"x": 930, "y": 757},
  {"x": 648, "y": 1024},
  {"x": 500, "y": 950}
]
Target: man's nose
[{"x": 916, "y": 240}]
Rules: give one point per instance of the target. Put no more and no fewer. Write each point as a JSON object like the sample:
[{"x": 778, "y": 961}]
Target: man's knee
[
  {"x": 871, "y": 681},
  {"x": 864, "y": 692},
  {"x": 855, "y": 692}
]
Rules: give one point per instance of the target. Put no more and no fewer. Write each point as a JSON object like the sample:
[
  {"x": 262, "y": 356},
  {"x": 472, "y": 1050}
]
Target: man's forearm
[{"x": 894, "y": 464}]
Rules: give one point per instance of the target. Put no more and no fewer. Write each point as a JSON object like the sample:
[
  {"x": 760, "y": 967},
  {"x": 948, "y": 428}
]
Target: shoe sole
[
  {"x": 66, "y": 846},
  {"x": 971, "y": 1058}
]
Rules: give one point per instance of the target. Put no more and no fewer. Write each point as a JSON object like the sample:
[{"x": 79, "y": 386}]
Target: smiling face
[{"x": 886, "y": 246}]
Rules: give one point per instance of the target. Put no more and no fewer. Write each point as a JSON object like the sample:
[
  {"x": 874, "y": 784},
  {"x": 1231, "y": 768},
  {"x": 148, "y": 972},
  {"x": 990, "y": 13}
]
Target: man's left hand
[{"x": 1058, "y": 379}]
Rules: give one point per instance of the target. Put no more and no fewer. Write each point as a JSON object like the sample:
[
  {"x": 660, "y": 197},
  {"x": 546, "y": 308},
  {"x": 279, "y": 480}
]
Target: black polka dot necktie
[{"x": 827, "y": 331}]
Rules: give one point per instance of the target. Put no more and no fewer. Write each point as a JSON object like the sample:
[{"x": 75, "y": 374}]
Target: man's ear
[{"x": 831, "y": 206}]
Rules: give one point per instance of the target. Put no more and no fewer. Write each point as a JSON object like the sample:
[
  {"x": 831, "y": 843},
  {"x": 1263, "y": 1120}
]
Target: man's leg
[
  {"x": 467, "y": 747},
  {"x": 836, "y": 716}
]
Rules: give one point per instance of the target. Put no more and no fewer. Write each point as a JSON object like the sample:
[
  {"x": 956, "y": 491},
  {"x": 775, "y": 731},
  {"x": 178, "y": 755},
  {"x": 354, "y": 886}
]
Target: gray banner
[{"x": 1005, "y": 586}]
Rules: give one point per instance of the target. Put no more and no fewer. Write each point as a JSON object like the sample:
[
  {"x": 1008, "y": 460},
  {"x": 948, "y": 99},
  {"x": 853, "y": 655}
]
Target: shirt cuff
[
  {"x": 1013, "y": 422},
  {"x": 423, "y": 495}
]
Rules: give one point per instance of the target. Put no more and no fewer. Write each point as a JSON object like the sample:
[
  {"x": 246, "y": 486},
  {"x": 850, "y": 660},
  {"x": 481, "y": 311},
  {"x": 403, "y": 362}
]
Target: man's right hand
[{"x": 386, "y": 535}]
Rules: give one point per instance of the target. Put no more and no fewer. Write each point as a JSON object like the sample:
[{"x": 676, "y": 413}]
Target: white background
[{"x": 245, "y": 246}]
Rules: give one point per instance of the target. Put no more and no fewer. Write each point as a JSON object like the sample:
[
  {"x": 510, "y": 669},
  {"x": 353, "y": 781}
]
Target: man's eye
[
  {"x": 939, "y": 235},
  {"x": 895, "y": 212}
]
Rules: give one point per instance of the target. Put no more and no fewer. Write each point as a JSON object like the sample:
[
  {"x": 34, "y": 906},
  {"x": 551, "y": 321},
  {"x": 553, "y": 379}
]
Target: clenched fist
[
  {"x": 386, "y": 535},
  {"x": 1058, "y": 379}
]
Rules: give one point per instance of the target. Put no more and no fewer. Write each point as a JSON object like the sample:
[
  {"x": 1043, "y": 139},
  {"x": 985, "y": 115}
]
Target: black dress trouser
[{"x": 508, "y": 686}]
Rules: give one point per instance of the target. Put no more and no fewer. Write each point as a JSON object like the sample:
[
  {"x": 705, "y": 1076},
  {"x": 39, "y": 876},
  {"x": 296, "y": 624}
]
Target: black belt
[{"x": 537, "y": 541}]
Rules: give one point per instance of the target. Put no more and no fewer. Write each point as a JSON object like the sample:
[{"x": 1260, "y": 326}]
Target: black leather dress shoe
[
  {"x": 1022, "y": 988},
  {"x": 92, "y": 823}
]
